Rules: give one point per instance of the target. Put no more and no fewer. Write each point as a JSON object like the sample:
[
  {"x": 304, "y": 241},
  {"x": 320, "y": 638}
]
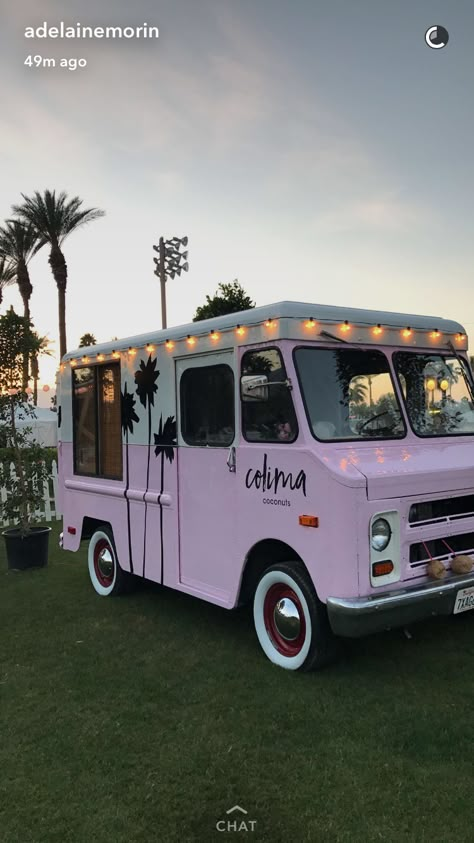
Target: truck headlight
[{"x": 381, "y": 534}]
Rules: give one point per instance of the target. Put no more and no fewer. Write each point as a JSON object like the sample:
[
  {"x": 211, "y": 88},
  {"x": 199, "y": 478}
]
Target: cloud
[
  {"x": 377, "y": 214},
  {"x": 233, "y": 103}
]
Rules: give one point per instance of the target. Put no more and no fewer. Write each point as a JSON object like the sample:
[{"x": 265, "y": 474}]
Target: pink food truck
[{"x": 314, "y": 461}]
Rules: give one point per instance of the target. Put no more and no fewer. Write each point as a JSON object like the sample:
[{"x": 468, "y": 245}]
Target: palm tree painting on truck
[
  {"x": 145, "y": 380},
  {"x": 165, "y": 442},
  {"x": 129, "y": 418},
  {"x": 54, "y": 217}
]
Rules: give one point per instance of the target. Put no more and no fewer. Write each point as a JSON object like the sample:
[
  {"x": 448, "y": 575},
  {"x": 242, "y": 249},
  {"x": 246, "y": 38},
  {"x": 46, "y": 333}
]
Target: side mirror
[{"x": 254, "y": 388}]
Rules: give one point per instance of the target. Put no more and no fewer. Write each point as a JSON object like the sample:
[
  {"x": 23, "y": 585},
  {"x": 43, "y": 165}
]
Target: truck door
[{"x": 207, "y": 436}]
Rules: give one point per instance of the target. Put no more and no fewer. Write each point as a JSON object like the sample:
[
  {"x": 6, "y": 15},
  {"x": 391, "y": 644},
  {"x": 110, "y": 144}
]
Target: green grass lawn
[{"x": 144, "y": 718}]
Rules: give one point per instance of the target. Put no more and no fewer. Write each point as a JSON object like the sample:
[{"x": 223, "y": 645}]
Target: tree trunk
[
  {"x": 59, "y": 270},
  {"x": 35, "y": 376},
  {"x": 18, "y": 461},
  {"x": 25, "y": 288},
  {"x": 26, "y": 356}
]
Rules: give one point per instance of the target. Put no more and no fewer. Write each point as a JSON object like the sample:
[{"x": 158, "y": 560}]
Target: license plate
[{"x": 464, "y": 600}]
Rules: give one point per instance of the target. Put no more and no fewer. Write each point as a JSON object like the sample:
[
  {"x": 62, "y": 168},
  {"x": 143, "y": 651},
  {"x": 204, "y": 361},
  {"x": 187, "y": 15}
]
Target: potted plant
[{"x": 26, "y": 544}]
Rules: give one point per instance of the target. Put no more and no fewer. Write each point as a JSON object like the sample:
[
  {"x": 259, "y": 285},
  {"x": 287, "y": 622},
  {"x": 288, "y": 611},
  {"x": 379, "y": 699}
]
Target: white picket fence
[{"x": 49, "y": 510}]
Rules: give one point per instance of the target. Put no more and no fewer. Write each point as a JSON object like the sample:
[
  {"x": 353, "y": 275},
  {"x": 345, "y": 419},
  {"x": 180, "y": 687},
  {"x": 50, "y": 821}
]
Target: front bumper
[{"x": 354, "y": 617}]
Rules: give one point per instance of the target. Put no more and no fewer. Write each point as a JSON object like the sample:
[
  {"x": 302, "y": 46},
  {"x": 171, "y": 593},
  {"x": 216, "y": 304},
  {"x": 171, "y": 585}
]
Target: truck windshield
[
  {"x": 436, "y": 392},
  {"x": 348, "y": 394}
]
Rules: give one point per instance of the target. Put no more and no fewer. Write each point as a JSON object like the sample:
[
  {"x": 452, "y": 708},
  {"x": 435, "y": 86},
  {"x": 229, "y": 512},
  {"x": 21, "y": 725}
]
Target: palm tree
[
  {"x": 54, "y": 217},
  {"x": 87, "y": 339},
  {"x": 453, "y": 376},
  {"x": 19, "y": 242},
  {"x": 7, "y": 275},
  {"x": 358, "y": 390}
]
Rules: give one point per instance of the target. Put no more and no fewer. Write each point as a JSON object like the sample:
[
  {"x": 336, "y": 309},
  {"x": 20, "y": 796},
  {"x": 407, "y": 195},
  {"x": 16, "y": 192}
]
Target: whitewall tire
[
  {"x": 290, "y": 622},
  {"x": 106, "y": 576}
]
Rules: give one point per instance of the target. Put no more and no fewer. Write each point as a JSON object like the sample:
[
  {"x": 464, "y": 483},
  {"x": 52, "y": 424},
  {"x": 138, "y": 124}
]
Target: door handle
[{"x": 231, "y": 461}]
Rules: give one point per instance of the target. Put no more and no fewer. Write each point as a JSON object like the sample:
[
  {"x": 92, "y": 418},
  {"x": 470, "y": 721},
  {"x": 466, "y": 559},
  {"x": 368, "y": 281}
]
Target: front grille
[
  {"x": 422, "y": 552},
  {"x": 439, "y": 511}
]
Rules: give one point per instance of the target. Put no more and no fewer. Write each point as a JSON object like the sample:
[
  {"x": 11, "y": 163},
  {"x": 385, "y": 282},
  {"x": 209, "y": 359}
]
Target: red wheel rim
[
  {"x": 104, "y": 563},
  {"x": 278, "y": 598}
]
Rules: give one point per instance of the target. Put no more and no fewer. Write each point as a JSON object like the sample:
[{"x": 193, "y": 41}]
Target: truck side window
[
  {"x": 207, "y": 406},
  {"x": 270, "y": 416},
  {"x": 97, "y": 421}
]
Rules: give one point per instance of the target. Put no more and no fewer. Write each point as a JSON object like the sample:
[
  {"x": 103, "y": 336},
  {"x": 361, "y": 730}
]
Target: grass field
[{"x": 144, "y": 718}]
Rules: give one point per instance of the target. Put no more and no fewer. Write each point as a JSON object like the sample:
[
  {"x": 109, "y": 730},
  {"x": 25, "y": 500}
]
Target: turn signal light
[
  {"x": 381, "y": 569},
  {"x": 309, "y": 521}
]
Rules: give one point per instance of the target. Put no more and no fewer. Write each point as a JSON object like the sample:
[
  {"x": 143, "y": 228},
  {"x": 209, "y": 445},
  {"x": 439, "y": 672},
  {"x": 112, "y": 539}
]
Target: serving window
[
  {"x": 207, "y": 406},
  {"x": 268, "y": 414},
  {"x": 97, "y": 434}
]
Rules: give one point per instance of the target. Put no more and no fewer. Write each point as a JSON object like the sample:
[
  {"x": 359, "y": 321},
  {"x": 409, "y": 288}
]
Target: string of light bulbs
[{"x": 310, "y": 324}]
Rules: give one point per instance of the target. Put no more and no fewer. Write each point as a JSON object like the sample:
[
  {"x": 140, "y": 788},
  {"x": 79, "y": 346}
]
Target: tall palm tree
[
  {"x": 7, "y": 275},
  {"x": 54, "y": 217},
  {"x": 19, "y": 242}
]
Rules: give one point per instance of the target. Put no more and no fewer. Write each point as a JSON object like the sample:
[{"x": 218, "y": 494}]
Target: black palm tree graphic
[
  {"x": 145, "y": 379},
  {"x": 129, "y": 416},
  {"x": 165, "y": 442}
]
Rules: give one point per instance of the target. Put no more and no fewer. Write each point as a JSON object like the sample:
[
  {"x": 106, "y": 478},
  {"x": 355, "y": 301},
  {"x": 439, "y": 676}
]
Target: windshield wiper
[
  {"x": 331, "y": 336},
  {"x": 469, "y": 381}
]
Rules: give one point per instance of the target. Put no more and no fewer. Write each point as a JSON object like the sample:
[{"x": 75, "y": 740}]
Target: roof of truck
[{"x": 322, "y": 313}]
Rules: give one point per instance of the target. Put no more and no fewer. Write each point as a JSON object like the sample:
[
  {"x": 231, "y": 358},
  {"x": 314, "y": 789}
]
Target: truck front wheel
[{"x": 290, "y": 622}]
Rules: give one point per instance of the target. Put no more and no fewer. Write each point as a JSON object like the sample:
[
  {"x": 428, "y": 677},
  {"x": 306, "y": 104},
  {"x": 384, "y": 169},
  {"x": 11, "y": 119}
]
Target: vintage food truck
[{"x": 316, "y": 461}]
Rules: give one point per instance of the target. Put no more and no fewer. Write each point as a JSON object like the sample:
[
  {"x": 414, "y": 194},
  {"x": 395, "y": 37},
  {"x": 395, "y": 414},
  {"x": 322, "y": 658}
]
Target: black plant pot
[{"x": 28, "y": 551}]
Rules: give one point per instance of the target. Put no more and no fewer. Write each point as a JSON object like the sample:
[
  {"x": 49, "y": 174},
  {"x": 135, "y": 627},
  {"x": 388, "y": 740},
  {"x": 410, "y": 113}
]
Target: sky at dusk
[{"x": 315, "y": 151}]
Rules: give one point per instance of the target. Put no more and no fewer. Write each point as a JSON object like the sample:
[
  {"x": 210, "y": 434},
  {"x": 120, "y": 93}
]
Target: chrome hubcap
[
  {"x": 105, "y": 563},
  {"x": 287, "y": 619}
]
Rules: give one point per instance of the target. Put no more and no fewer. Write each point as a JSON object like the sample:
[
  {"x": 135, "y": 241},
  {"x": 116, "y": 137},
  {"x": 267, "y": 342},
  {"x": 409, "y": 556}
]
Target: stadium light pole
[{"x": 168, "y": 265}]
